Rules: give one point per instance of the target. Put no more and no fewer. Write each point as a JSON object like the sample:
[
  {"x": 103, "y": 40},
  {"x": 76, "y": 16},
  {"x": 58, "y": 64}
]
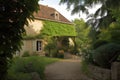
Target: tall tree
[
  {"x": 106, "y": 12},
  {"x": 82, "y": 39},
  {"x": 13, "y": 16}
]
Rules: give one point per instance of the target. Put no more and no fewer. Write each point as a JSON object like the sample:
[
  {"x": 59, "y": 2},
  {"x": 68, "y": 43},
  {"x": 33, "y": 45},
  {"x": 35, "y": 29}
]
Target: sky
[{"x": 62, "y": 9}]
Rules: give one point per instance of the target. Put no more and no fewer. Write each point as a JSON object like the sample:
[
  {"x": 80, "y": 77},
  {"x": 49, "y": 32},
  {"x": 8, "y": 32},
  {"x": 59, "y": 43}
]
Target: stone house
[{"x": 32, "y": 43}]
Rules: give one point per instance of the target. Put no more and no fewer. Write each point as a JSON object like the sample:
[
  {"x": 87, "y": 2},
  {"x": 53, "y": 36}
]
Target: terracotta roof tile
[{"x": 46, "y": 12}]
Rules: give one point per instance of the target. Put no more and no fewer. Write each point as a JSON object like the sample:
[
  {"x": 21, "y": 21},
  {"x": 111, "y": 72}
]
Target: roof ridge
[
  {"x": 46, "y": 6},
  {"x": 46, "y": 12}
]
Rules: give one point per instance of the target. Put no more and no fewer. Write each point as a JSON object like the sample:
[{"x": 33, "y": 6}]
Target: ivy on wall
[{"x": 52, "y": 28}]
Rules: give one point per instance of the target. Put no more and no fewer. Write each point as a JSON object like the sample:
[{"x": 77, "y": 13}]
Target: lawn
[{"x": 22, "y": 67}]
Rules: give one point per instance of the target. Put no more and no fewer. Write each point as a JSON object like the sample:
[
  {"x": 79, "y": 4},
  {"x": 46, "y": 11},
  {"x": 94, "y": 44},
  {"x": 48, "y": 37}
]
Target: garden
[
  {"x": 29, "y": 68},
  {"x": 97, "y": 40}
]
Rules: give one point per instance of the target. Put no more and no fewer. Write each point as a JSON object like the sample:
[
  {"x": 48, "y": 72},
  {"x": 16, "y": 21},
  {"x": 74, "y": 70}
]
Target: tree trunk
[{"x": 3, "y": 68}]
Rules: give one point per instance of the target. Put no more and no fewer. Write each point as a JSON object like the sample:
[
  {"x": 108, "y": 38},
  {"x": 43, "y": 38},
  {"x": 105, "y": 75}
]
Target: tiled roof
[{"x": 49, "y": 13}]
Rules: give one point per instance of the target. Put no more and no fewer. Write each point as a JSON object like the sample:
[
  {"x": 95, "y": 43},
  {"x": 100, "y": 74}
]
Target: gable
[
  {"x": 49, "y": 21},
  {"x": 49, "y": 13},
  {"x": 33, "y": 27}
]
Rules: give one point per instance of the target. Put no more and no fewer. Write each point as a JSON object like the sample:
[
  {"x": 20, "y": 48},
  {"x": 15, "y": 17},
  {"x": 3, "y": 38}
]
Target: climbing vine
[{"x": 52, "y": 28}]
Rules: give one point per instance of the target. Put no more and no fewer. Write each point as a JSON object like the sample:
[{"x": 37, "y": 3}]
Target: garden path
[{"x": 68, "y": 69}]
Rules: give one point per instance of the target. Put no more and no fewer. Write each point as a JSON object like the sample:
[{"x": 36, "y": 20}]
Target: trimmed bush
[
  {"x": 98, "y": 43},
  {"x": 106, "y": 54}
]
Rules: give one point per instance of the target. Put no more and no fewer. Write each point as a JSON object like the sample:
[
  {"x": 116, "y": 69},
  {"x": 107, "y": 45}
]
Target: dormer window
[{"x": 56, "y": 16}]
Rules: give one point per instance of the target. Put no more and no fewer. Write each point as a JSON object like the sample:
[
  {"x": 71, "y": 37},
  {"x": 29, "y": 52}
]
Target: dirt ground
[{"x": 68, "y": 69}]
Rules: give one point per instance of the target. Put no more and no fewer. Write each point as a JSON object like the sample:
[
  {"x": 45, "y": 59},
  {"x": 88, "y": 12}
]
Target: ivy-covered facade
[{"x": 37, "y": 30}]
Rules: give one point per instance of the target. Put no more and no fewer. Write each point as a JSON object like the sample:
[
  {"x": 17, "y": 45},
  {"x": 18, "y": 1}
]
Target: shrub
[
  {"x": 49, "y": 48},
  {"x": 35, "y": 54},
  {"x": 22, "y": 67},
  {"x": 106, "y": 54},
  {"x": 84, "y": 67},
  {"x": 98, "y": 43},
  {"x": 54, "y": 52},
  {"x": 73, "y": 50},
  {"x": 47, "y": 54},
  {"x": 60, "y": 54},
  {"x": 87, "y": 56},
  {"x": 20, "y": 76},
  {"x": 26, "y": 54}
]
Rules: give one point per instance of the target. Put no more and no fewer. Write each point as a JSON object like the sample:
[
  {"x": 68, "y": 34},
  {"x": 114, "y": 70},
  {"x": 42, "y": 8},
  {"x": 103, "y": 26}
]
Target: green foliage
[
  {"x": 104, "y": 19},
  {"x": 118, "y": 58},
  {"x": 105, "y": 29},
  {"x": 115, "y": 13},
  {"x": 88, "y": 56},
  {"x": 54, "y": 53},
  {"x": 60, "y": 55},
  {"x": 59, "y": 33},
  {"x": 22, "y": 67},
  {"x": 50, "y": 49},
  {"x": 19, "y": 76},
  {"x": 99, "y": 43},
  {"x": 102, "y": 45},
  {"x": 26, "y": 54},
  {"x": 106, "y": 54},
  {"x": 84, "y": 67},
  {"x": 65, "y": 41},
  {"x": 55, "y": 44},
  {"x": 74, "y": 50},
  {"x": 82, "y": 39},
  {"x": 13, "y": 15},
  {"x": 58, "y": 29},
  {"x": 111, "y": 34}
]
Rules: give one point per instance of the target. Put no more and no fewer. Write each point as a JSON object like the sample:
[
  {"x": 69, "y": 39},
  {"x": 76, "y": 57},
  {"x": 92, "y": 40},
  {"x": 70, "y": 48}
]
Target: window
[
  {"x": 56, "y": 15},
  {"x": 39, "y": 45}
]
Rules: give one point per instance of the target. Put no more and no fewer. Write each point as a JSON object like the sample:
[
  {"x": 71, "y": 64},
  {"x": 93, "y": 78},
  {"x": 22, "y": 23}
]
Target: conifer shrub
[{"x": 106, "y": 54}]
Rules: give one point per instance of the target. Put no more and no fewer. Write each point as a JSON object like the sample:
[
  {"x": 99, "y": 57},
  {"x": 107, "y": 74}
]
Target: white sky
[{"x": 62, "y": 9}]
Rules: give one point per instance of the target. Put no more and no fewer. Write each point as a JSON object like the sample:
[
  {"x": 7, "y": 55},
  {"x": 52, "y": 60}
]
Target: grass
[
  {"x": 84, "y": 67},
  {"x": 23, "y": 66}
]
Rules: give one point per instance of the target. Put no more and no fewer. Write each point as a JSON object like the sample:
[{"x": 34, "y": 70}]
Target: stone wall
[
  {"x": 99, "y": 73},
  {"x": 115, "y": 71},
  {"x": 105, "y": 74}
]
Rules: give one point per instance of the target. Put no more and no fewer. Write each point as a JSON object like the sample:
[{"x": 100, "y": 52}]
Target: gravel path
[{"x": 65, "y": 70}]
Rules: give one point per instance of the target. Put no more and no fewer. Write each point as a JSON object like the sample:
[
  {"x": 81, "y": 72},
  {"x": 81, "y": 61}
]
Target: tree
[
  {"x": 82, "y": 39},
  {"x": 107, "y": 12},
  {"x": 110, "y": 34},
  {"x": 82, "y": 30},
  {"x": 14, "y": 14},
  {"x": 105, "y": 28}
]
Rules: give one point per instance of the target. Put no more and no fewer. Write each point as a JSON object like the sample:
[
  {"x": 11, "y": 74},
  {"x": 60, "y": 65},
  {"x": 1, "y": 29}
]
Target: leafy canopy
[
  {"x": 108, "y": 12},
  {"x": 13, "y": 16},
  {"x": 82, "y": 38}
]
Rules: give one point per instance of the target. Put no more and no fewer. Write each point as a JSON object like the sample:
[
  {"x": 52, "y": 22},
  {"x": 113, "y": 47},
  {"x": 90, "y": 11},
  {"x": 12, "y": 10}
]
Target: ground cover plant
[{"x": 23, "y": 67}]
